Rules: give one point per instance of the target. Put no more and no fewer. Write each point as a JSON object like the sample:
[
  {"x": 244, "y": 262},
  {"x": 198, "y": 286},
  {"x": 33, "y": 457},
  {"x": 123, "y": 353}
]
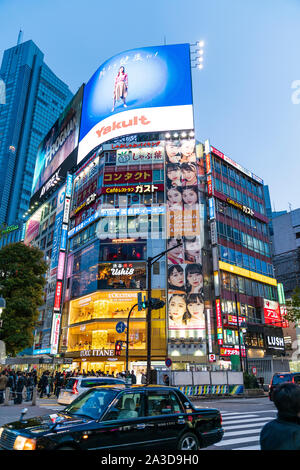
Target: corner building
[{"x": 244, "y": 286}]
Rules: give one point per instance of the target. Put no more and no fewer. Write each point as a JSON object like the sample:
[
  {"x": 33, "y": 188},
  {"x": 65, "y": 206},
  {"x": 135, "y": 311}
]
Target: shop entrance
[{"x": 107, "y": 367}]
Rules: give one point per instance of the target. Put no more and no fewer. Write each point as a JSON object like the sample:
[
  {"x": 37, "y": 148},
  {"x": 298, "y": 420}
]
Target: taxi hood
[{"x": 43, "y": 424}]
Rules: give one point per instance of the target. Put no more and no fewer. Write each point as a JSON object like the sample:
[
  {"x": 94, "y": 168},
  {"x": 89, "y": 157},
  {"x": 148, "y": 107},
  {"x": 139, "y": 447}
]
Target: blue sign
[
  {"x": 42, "y": 351},
  {"x": 69, "y": 185},
  {"x": 211, "y": 205},
  {"x": 120, "y": 327},
  {"x": 83, "y": 224},
  {"x": 64, "y": 235},
  {"x": 132, "y": 211},
  {"x": 168, "y": 362},
  {"x": 55, "y": 241}
]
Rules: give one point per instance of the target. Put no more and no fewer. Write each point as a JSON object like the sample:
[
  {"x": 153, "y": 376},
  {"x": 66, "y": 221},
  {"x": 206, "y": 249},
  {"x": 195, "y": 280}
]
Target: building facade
[
  {"x": 34, "y": 98},
  {"x": 249, "y": 315},
  {"x": 134, "y": 184}
]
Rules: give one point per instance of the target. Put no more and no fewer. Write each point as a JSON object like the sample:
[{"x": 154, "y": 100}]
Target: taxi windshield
[{"x": 92, "y": 403}]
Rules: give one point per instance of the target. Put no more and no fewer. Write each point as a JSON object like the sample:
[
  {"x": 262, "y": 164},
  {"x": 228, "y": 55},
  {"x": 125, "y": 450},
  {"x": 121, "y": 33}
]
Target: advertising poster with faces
[{"x": 185, "y": 276}]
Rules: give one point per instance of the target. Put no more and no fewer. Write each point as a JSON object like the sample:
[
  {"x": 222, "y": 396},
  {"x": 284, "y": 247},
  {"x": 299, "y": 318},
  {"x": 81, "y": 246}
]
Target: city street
[{"x": 243, "y": 418}]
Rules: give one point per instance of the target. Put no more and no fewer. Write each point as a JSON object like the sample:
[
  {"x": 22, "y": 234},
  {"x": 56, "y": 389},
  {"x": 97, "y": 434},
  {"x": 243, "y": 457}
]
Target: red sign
[
  {"x": 285, "y": 323},
  {"x": 209, "y": 186},
  {"x": 208, "y": 163},
  {"x": 145, "y": 188},
  {"x": 232, "y": 351},
  {"x": 123, "y": 177},
  {"x": 212, "y": 358},
  {"x": 232, "y": 320},
  {"x": 58, "y": 293},
  {"x": 272, "y": 313}
]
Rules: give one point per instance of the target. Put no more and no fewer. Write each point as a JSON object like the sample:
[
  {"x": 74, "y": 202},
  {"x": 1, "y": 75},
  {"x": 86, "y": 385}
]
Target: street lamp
[
  {"x": 150, "y": 262},
  {"x": 238, "y": 322}
]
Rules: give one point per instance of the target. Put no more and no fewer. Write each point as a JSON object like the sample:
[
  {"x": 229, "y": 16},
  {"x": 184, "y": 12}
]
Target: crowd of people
[{"x": 48, "y": 383}]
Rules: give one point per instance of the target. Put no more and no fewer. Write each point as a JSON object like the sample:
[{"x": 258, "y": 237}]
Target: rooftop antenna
[
  {"x": 20, "y": 37},
  {"x": 290, "y": 207}
]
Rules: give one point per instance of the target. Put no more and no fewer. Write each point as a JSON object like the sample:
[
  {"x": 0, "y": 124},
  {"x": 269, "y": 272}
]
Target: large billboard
[
  {"x": 55, "y": 151},
  {"x": 185, "y": 223},
  {"x": 140, "y": 90}
]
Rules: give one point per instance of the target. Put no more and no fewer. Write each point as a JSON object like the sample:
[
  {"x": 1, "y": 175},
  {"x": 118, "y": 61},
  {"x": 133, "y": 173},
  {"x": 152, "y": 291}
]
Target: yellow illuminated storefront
[{"x": 92, "y": 331}]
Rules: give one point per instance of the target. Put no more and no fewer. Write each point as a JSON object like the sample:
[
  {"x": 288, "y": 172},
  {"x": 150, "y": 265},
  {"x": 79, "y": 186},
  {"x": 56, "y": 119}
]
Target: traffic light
[
  {"x": 118, "y": 348},
  {"x": 156, "y": 304},
  {"x": 142, "y": 304}
]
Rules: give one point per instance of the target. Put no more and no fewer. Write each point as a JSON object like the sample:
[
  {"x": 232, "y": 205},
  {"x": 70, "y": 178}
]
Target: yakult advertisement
[{"x": 140, "y": 90}]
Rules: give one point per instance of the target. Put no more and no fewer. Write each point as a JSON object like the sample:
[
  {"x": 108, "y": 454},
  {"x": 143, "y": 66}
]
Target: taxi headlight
[
  {"x": 1, "y": 431},
  {"x": 23, "y": 443}
]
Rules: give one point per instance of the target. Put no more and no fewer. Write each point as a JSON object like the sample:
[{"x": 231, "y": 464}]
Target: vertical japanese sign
[
  {"x": 219, "y": 321},
  {"x": 59, "y": 257}
]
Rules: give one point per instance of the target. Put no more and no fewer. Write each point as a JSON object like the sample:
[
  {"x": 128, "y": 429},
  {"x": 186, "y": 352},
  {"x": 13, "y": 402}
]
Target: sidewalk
[{"x": 43, "y": 406}]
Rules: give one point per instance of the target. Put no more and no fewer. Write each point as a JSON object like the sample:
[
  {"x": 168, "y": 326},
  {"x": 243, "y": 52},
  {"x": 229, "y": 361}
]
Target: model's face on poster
[
  {"x": 187, "y": 148},
  {"x": 174, "y": 196},
  {"x": 189, "y": 196},
  {"x": 176, "y": 277},
  {"x": 195, "y": 279},
  {"x": 177, "y": 306}
]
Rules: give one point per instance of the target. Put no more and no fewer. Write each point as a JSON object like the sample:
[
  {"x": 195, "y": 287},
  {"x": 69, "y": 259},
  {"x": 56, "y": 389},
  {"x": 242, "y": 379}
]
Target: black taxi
[{"x": 119, "y": 418}]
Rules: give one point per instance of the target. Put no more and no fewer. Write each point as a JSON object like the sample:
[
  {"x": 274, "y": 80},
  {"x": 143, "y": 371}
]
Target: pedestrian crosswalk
[{"x": 242, "y": 430}]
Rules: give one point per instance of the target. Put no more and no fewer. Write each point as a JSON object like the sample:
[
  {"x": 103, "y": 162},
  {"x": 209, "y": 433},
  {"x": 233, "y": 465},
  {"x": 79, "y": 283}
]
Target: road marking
[
  {"x": 229, "y": 442},
  {"x": 238, "y": 416},
  {"x": 250, "y": 425},
  {"x": 248, "y": 448},
  {"x": 248, "y": 420},
  {"x": 240, "y": 433}
]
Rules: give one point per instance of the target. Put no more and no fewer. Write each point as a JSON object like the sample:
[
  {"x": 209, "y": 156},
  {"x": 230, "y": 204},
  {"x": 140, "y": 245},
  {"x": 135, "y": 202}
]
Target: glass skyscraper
[{"x": 34, "y": 98}]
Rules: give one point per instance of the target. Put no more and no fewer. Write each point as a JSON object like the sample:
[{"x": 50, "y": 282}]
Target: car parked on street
[
  {"x": 119, "y": 418},
  {"x": 76, "y": 385},
  {"x": 281, "y": 377}
]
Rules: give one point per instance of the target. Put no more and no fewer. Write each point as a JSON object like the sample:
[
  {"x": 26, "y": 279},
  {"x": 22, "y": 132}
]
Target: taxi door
[
  {"x": 165, "y": 418},
  {"x": 123, "y": 426}
]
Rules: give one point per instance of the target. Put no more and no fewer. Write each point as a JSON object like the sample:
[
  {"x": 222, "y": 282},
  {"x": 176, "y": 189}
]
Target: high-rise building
[
  {"x": 286, "y": 249},
  {"x": 34, "y": 98}
]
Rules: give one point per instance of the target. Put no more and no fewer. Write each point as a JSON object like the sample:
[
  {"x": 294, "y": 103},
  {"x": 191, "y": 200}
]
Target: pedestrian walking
[
  {"x": 11, "y": 384},
  {"x": 60, "y": 384},
  {"x": 133, "y": 377},
  {"x": 283, "y": 433},
  {"x": 29, "y": 384},
  {"x": 144, "y": 378},
  {"x": 43, "y": 383},
  {"x": 3, "y": 385},
  {"x": 20, "y": 383},
  {"x": 166, "y": 380}
]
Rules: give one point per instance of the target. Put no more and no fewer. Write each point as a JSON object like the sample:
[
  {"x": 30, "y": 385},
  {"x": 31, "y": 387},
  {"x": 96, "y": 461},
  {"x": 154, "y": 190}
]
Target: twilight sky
[{"x": 244, "y": 98}]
